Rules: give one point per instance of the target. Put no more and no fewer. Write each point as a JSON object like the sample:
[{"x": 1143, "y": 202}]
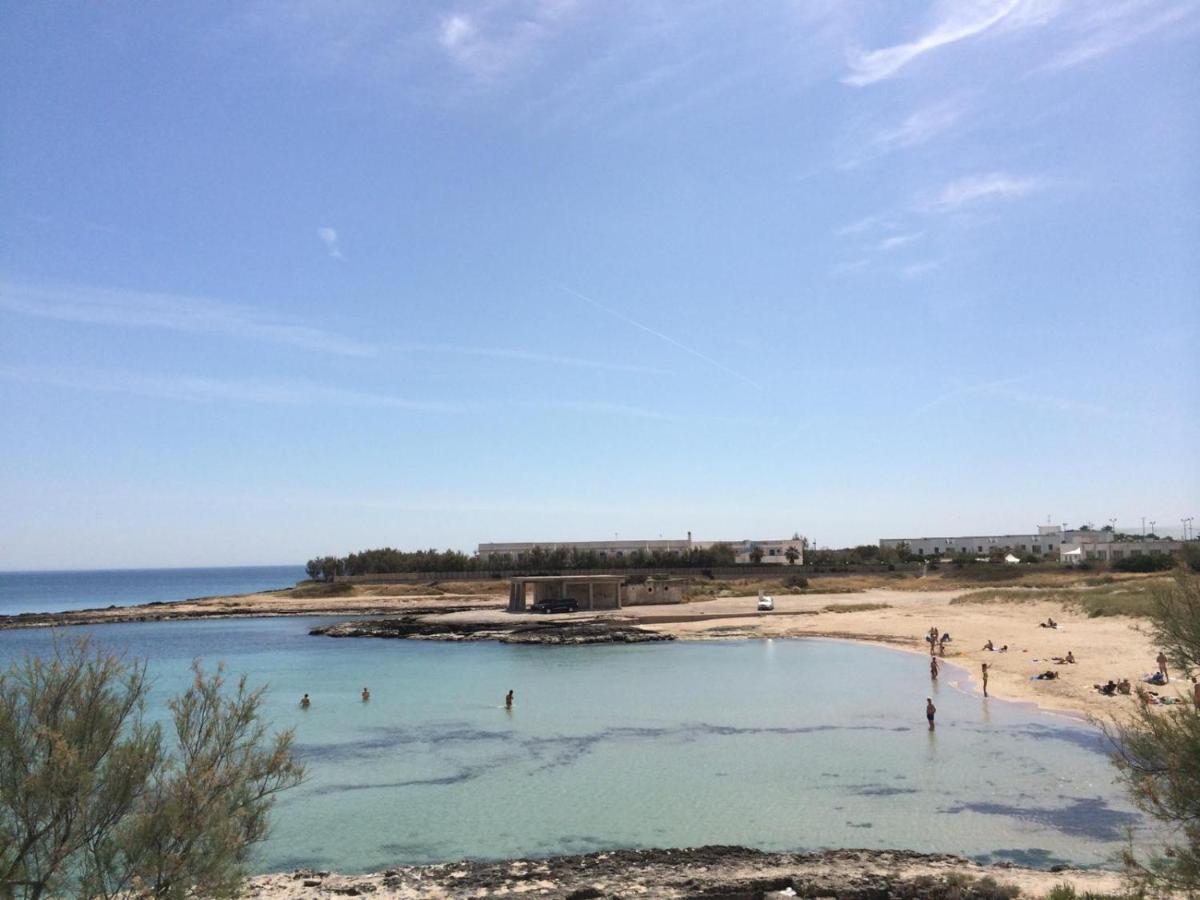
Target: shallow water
[
  {"x": 39, "y": 592},
  {"x": 774, "y": 744}
]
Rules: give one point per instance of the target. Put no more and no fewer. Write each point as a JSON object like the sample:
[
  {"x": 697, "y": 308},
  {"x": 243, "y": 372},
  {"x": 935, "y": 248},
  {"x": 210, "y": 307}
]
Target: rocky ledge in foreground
[
  {"x": 557, "y": 631},
  {"x": 703, "y": 872}
]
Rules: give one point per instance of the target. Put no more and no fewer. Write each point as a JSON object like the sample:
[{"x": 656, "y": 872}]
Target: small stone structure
[
  {"x": 588, "y": 591},
  {"x": 657, "y": 590}
]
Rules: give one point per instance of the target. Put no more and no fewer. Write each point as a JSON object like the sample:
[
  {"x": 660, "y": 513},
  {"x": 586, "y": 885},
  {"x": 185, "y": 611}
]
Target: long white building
[
  {"x": 1050, "y": 541},
  {"x": 774, "y": 550}
]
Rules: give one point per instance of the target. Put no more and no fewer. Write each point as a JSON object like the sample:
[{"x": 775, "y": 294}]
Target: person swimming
[
  {"x": 366, "y": 695},
  {"x": 305, "y": 702}
]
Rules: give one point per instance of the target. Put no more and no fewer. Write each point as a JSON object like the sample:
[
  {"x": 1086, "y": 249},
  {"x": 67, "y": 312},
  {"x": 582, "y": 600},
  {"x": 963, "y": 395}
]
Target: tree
[
  {"x": 1158, "y": 750},
  {"x": 792, "y": 554},
  {"x": 756, "y": 554},
  {"x": 92, "y": 803}
]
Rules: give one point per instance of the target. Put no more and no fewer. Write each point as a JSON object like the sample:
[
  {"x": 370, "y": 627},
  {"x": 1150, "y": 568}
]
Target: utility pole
[
  {"x": 1152, "y": 531},
  {"x": 1143, "y": 528}
]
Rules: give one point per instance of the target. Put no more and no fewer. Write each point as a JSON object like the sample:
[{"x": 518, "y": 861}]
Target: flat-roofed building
[{"x": 1050, "y": 541}]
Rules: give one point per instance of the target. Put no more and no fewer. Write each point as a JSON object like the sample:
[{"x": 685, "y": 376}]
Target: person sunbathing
[
  {"x": 1107, "y": 689},
  {"x": 1049, "y": 623},
  {"x": 1048, "y": 675},
  {"x": 989, "y": 645},
  {"x": 1123, "y": 686}
]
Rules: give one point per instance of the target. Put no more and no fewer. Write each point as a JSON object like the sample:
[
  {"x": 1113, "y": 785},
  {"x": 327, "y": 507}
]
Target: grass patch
[
  {"x": 1106, "y": 598},
  {"x": 854, "y": 607}
]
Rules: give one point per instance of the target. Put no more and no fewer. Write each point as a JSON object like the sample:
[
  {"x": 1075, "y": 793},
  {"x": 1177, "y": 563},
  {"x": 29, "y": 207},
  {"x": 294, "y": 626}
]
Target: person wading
[{"x": 930, "y": 711}]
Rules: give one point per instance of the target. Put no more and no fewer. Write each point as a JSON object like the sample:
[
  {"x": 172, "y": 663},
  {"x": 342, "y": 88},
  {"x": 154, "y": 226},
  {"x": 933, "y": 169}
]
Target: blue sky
[{"x": 280, "y": 279}]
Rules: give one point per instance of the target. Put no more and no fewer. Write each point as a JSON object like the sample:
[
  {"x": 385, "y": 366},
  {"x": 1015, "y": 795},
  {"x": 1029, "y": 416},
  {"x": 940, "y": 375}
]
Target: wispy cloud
[
  {"x": 957, "y": 20},
  {"x": 1118, "y": 24},
  {"x": 1006, "y": 389},
  {"x": 207, "y": 390},
  {"x": 497, "y": 37},
  {"x": 899, "y": 240},
  {"x": 663, "y": 337},
  {"x": 987, "y": 186},
  {"x": 918, "y": 127},
  {"x": 917, "y": 269},
  {"x": 171, "y": 312},
  {"x": 329, "y": 237},
  {"x": 530, "y": 356},
  {"x": 865, "y": 224}
]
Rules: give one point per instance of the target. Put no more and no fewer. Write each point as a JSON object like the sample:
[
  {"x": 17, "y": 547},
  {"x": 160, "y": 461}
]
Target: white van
[{"x": 766, "y": 603}]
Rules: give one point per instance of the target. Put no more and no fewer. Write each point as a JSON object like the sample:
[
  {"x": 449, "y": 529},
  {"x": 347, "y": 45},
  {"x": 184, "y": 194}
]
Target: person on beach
[
  {"x": 985, "y": 678},
  {"x": 933, "y": 668},
  {"x": 1004, "y": 649},
  {"x": 1162, "y": 665},
  {"x": 366, "y": 695},
  {"x": 989, "y": 645},
  {"x": 508, "y": 700},
  {"x": 930, "y": 711},
  {"x": 932, "y": 639},
  {"x": 1070, "y": 657},
  {"x": 945, "y": 639},
  {"x": 1124, "y": 687},
  {"x": 305, "y": 702},
  {"x": 1196, "y": 692}
]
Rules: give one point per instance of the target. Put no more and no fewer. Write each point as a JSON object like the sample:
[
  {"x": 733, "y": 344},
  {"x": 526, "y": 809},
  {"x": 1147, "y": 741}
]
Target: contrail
[{"x": 663, "y": 337}]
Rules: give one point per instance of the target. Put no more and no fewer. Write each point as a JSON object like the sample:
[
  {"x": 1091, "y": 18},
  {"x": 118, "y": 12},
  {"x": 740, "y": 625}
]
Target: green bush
[
  {"x": 795, "y": 581},
  {"x": 1144, "y": 562},
  {"x": 93, "y": 803}
]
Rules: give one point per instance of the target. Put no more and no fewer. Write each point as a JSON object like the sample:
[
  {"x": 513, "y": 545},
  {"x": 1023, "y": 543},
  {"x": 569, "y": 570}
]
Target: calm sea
[
  {"x": 785, "y": 744},
  {"x": 22, "y": 592}
]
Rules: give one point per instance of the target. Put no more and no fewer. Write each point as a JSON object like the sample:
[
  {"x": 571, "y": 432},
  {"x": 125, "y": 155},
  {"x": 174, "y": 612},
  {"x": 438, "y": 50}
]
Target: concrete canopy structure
[{"x": 588, "y": 591}]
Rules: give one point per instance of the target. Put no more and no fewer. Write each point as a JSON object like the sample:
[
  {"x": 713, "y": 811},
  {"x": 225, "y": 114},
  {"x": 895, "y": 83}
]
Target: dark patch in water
[
  {"x": 1084, "y": 817},
  {"x": 860, "y": 824},
  {"x": 881, "y": 790},
  {"x": 411, "y": 854},
  {"x": 1032, "y": 857}
]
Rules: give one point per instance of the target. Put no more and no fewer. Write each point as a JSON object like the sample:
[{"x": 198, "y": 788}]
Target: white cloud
[
  {"x": 171, "y": 312},
  {"x": 500, "y": 36},
  {"x": 919, "y": 127},
  {"x": 974, "y": 188},
  {"x": 915, "y": 270},
  {"x": 202, "y": 389},
  {"x": 958, "y": 20},
  {"x": 899, "y": 240},
  {"x": 1117, "y": 25},
  {"x": 329, "y": 237}
]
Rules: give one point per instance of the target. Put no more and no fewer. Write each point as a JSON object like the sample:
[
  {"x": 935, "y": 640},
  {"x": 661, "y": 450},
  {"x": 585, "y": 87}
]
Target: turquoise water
[
  {"x": 774, "y": 744},
  {"x": 39, "y": 592}
]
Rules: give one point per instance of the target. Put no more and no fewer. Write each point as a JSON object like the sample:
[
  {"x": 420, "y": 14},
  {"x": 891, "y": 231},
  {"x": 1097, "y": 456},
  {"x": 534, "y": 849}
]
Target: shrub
[
  {"x": 92, "y": 802},
  {"x": 795, "y": 581},
  {"x": 1144, "y": 562}
]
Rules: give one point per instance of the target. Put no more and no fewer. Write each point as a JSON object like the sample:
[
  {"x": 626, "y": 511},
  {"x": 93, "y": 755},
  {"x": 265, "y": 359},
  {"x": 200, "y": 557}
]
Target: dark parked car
[{"x": 555, "y": 606}]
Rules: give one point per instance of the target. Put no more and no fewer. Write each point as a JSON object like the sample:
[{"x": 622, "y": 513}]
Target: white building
[
  {"x": 1050, "y": 541},
  {"x": 774, "y": 551}
]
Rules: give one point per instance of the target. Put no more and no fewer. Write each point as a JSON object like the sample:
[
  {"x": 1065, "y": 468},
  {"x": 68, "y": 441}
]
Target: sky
[{"x": 280, "y": 279}]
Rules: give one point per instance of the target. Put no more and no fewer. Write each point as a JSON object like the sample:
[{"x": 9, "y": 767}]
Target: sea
[
  {"x": 38, "y": 592},
  {"x": 777, "y": 744}
]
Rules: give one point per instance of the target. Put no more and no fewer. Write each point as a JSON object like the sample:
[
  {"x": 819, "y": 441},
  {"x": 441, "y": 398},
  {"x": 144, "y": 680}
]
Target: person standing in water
[
  {"x": 985, "y": 678},
  {"x": 508, "y": 700},
  {"x": 930, "y": 711},
  {"x": 366, "y": 695},
  {"x": 305, "y": 702},
  {"x": 933, "y": 668}
]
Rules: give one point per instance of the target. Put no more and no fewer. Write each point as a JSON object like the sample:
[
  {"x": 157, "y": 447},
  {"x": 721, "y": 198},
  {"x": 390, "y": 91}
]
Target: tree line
[{"x": 390, "y": 561}]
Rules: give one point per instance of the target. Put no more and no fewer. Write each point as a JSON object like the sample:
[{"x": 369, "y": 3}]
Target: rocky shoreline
[
  {"x": 703, "y": 872},
  {"x": 414, "y": 626}
]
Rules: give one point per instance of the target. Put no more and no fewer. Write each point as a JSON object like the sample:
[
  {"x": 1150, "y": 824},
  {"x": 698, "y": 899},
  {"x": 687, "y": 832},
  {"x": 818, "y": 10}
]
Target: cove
[{"x": 780, "y": 745}]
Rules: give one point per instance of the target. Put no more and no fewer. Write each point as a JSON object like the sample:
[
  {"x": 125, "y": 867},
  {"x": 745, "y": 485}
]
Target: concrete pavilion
[{"x": 588, "y": 591}]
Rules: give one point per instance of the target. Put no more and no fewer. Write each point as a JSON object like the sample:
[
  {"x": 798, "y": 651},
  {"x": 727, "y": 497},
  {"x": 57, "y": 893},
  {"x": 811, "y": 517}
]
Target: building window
[
  {"x": 980, "y": 549},
  {"x": 920, "y": 552},
  {"x": 1037, "y": 548},
  {"x": 935, "y": 550}
]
